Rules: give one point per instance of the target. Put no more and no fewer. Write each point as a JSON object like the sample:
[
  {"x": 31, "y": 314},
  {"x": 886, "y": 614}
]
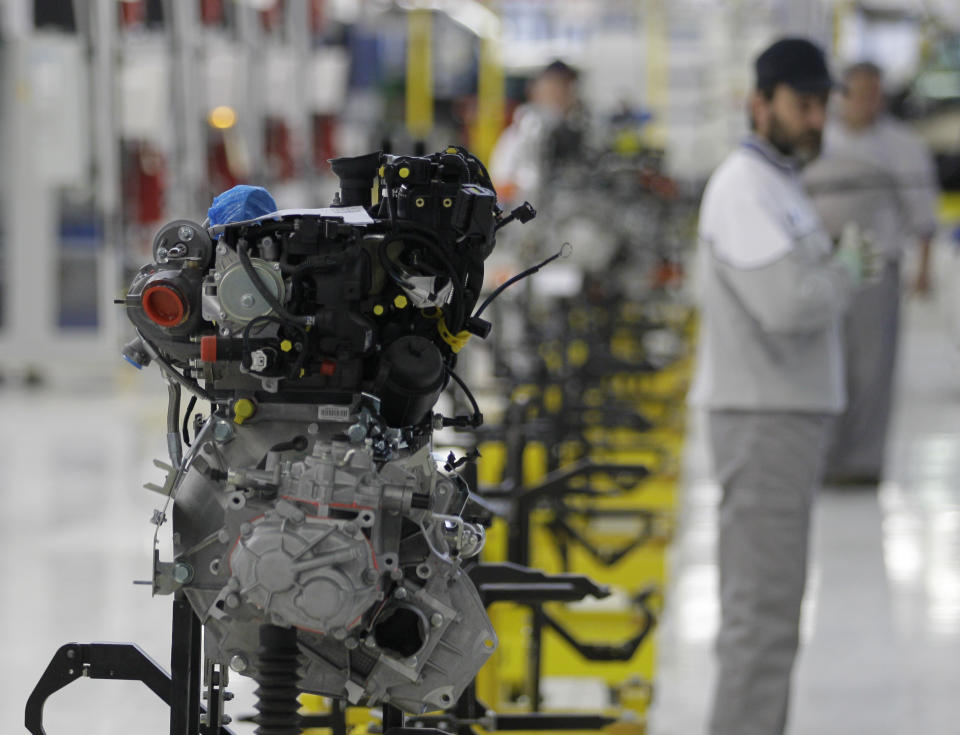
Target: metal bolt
[
  {"x": 276, "y": 266},
  {"x": 223, "y": 315},
  {"x": 222, "y": 249},
  {"x": 185, "y": 233},
  {"x": 401, "y": 593},
  {"x": 412, "y": 661},
  {"x": 370, "y": 642},
  {"x": 351, "y": 644},
  {"x": 349, "y": 528},
  {"x": 339, "y": 634},
  {"x": 369, "y": 576},
  {"x": 238, "y": 663},
  {"x": 182, "y": 573},
  {"x": 223, "y": 535},
  {"x": 226, "y": 719},
  {"x": 247, "y": 300},
  {"x": 225, "y": 331},
  {"x": 222, "y": 431},
  {"x": 436, "y": 620},
  {"x": 162, "y": 253},
  {"x": 71, "y": 653},
  {"x": 246, "y": 529},
  {"x": 357, "y": 433},
  {"x": 215, "y": 566},
  {"x": 233, "y": 600}
]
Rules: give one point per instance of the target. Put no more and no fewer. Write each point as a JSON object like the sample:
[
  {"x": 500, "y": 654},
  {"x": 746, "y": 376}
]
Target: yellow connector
[{"x": 243, "y": 409}]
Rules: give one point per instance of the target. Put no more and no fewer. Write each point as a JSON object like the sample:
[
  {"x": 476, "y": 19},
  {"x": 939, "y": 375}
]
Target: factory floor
[
  {"x": 882, "y": 623},
  {"x": 881, "y": 620}
]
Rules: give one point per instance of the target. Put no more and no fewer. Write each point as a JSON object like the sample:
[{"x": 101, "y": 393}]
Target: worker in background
[
  {"x": 542, "y": 129},
  {"x": 876, "y": 181},
  {"x": 546, "y": 130},
  {"x": 770, "y": 374}
]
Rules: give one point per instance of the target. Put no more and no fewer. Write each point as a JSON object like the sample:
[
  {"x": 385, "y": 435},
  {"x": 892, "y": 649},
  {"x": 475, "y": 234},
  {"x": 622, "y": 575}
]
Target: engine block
[{"x": 310, "y": 500}]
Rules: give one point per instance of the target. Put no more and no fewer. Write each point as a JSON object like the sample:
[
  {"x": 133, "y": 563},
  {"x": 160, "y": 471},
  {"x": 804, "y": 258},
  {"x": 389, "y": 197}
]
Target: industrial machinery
[{"x": 315, "y": 537}]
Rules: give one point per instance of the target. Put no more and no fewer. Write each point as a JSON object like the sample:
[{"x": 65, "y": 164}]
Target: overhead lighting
[{"x": 222, "y": 117}]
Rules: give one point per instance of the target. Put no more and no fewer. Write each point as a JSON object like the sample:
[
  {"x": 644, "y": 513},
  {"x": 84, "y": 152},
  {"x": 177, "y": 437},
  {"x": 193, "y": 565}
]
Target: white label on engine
[
  {"x": 350, "y": 215},
  {"x": 334, "y": 413}
]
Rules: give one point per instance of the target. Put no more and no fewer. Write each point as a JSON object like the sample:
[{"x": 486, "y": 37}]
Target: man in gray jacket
[
  {"x": 877, "y": 180},
  {"x": 770, "y": 374}
]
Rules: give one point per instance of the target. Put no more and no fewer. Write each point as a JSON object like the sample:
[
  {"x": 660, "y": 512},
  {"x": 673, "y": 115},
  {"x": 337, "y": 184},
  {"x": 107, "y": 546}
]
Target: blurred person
[
  {"x": 877, "y": 181},
  {"x": 543, "y": 128},
  {"x": 770, "y": 374}
]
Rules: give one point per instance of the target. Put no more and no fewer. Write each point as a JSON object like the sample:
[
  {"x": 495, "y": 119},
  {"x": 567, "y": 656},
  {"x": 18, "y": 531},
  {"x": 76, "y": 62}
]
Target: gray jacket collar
[{"x": 763, "y": 148}]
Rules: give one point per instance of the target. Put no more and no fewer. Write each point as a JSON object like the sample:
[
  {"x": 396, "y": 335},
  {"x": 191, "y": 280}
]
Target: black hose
[{"x": 186, "y": 420}]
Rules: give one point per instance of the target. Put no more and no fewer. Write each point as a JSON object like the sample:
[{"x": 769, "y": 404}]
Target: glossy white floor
[
  {"x": 882, "y": 614},
  {"x": 882, "y": 627}
]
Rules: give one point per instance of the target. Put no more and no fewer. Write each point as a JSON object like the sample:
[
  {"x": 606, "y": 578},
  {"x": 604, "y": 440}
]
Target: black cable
[
  {"x": 186, "y": 420},
  {"x": 413, "y": 235},
  {"x": 477, "y": 418},
  {"x": 244, "y": 256},
  {"x": 192, "y": 385},
  {"x": 269, "y": 319},
  {"x": 520, "y": 276},
  {"x": 459, "y": 301}
]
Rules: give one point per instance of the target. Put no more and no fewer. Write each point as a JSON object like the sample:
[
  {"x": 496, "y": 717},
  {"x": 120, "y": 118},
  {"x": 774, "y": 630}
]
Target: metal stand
[
  {"x": 507, "y": 582},
  {"x": 470, "y": 712},
  {"x": 180, "y": 690}
]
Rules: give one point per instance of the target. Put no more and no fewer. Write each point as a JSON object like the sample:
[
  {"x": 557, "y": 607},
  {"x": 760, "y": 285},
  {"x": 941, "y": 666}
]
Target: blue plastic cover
[{"x": 241, "y": 203}]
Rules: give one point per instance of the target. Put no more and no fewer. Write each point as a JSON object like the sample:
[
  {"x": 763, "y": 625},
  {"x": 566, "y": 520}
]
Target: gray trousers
[
  {"x": 871, "y": 327},
  {"x": 769, "y": 466}
]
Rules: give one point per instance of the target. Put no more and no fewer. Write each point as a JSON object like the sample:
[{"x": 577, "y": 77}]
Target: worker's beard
[{"x": 801, "y": 147}]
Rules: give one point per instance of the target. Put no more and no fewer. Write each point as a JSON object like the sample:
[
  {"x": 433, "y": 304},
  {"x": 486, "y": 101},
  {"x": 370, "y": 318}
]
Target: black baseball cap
[
  {"x": 560, "y": 68},
  {"x": 796, "y": 62}
]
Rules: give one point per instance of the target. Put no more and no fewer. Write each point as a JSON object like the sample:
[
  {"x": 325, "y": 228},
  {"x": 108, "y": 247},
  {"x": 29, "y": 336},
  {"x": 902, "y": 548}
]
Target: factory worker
[
  {"x": 876, "y": 181},
  {"x": 541, "y": 130},
  {"x": 770, "y": 374}
]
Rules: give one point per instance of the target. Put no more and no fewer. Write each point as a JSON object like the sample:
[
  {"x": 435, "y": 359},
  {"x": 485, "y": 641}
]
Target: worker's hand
[
  {"x": 849, "y": 252},
  {"x": 873, "y": 260},
  {"x": 858, "y": 253}
]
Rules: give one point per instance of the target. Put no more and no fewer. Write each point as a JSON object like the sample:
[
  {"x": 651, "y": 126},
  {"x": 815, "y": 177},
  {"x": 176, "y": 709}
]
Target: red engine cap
[{"x": 164, "y": 305}]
